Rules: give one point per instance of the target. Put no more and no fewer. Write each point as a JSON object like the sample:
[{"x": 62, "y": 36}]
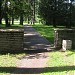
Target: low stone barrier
[
  {"x": 64, "y": 34},
  {"x": 11, "y": 39}
]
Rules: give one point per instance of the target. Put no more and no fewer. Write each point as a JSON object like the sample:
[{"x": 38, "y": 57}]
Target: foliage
[
  {"x": 15, "y": 9},
  {"x": 57, "y": 12}
]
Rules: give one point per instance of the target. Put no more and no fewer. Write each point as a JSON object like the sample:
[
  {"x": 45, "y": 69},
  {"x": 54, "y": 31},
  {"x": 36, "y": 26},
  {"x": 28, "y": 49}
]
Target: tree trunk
[
  {"x": 6, "y": 15},
  {"x": 6, "y": 20},
  {"x": 69, "y": 26},
  {"x": 21, "y": 19},
  {"x": 12, "y": 20},
  {"x": 54, "y": 22},
  {"x": 28, "y": 20},
  {"x": 54, "y": 15},
  {"x": 0, "y": 13},
  {"x": 0, "y": 21},
  {"x": 34, "y": 12}
]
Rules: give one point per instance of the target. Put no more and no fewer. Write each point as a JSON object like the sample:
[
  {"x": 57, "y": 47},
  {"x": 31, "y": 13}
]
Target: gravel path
[
  {"x": 32, "y": 64},
  {"x": 35, "y": 62}
]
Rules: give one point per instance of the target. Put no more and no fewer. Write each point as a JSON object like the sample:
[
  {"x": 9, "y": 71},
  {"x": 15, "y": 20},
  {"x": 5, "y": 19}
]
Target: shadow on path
[
  {"x": 34, "y": 41},
  {"x": 35, "y": 70}
]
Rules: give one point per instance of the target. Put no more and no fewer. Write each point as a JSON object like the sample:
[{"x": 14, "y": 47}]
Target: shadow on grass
[
  {"x": 11, "y": 27},
  {"x": 14, "y": 70},
  {"x": 59, "y": 69}
]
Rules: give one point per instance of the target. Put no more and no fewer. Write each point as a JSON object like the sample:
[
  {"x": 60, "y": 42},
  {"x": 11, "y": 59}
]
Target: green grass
[
  {"x": 16, "y": 23},
  {"x": 8, "y": 62},
  {"x": 45, "y": 31},
  {"x": 15, "y": 26},
  {"x": 60, "y": 63}
]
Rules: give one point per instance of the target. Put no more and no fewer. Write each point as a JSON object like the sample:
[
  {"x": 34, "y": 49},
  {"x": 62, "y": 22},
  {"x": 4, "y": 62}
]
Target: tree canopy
[
  {"x": 57, "y": 12},
  {"x": 52, "y": 12},
  {"x": 10, "y": 9}
]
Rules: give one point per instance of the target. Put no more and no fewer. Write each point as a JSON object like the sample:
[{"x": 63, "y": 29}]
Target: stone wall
[
  {"x": 11, "y": 39},
  {"x": 64, "y": 34}
]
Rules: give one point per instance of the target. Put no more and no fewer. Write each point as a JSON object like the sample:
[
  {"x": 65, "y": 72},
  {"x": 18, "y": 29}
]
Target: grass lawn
[
  {"x": 15, "y": 26},
  {"x": 8, "y": 62},
  {"x": 45, "y": 31},
  {"x": 60, "y": 63}
]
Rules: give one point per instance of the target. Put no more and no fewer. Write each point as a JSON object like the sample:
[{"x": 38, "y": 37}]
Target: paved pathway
[
  {"x": 35, "y": 62},
  {"x": 34, "y": 41}
]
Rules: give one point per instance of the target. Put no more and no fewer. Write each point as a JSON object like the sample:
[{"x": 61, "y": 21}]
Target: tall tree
[
  {"x": 6, "y": 11},
  {"x": 34, "y": 9},
  {"x": 52, "y": 10},
  {"x": 22, "y": 8},
  {"x": 1, "y": 12}
]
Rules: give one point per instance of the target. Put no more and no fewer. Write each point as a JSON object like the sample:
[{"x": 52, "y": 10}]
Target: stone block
[{"x": 66, "y": 44}]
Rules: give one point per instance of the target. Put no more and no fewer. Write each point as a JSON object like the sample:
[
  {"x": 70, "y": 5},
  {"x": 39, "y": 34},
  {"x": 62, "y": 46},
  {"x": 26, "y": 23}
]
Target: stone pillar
[{"x": 64, "y": 34}]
